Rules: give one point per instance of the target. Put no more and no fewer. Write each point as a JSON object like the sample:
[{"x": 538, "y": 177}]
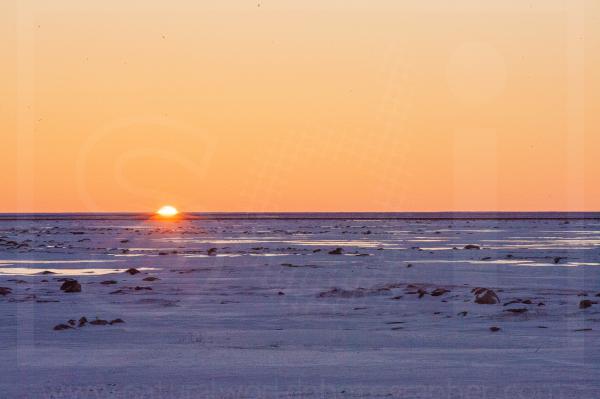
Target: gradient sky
[{"x": 283, "y": 105}]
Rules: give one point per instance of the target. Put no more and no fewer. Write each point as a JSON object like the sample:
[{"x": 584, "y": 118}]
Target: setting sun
[{"x": 167, "y": 211}]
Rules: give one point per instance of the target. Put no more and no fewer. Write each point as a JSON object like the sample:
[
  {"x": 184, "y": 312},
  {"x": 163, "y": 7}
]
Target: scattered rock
[
  {"x": 337, "y": 251},
  {"x": 143, "y": 289},
  {"x": 82, "y": 321},
  {"x": 472, "y": 246},
  {"x": 494, "y": 329},
  {"x": 108, "y": 282},
  {"x": 586, "y": 303},
  {"x": 463, "y": 314},
  {"x": 583, "y": 329},
  {"x": 516, "y": 310},
  {"x": 72, "y": 322},
  {"x": 485, "y": 296},
  {"x": 5, "y": 291},
  {"x": 99, "y": 322},
  {"x": 60, "y": 327},
  {"x": 116, "y": 321},
  {"x": 211, "y": 252},
  {"x": 71, "y": 286},
  {"x": 422, "y": 292},
  {"x": 151, "y": 278},
  {"x": 439, "y": 292},
  {"x": 132, "y": 271}
]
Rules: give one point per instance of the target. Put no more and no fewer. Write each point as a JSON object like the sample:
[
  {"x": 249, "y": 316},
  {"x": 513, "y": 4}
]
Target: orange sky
[{"x": 299, "y": 105}]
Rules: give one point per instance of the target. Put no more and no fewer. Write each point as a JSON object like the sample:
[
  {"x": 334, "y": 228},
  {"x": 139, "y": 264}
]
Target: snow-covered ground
[{"x": 300, "y": 309}]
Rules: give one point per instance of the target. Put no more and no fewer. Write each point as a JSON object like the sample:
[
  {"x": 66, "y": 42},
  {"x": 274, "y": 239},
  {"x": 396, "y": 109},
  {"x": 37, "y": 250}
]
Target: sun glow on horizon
[{"x": 167, "y": 211}]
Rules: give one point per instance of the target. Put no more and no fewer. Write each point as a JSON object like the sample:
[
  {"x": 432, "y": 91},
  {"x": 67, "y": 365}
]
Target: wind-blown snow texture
[{"x": 272, "y": 308}]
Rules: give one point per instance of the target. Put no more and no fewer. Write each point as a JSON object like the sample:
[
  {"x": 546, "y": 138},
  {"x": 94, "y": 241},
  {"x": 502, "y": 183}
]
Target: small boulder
[
  {"x": 439, "y": 292},
  {"x": 337, "y": 251},
  {"x": 472, "y": 246},
  {"x": 516, "y": 310},
  {"x": 108, "y": 282},
  {"x": 211, "y": 252},
  {"x": 5, "y": 291},
  {"x": 586, "y": 303},
  {"x": 71, "y": 286},
  {"x": 116, "y": 321},
  {"x": 485, "y": 296},
  {"x": 132, "y": 271},
  {"x": 82, "y": 321},
  {"x": 494, "y": 329},
  {"x": 60, "y": 327},
  {"x": 151, "y": 278},
  {"x": 99, "y": 322}
]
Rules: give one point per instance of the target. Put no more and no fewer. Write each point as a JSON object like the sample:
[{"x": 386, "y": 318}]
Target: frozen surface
[{"x": 260, "y": 308}]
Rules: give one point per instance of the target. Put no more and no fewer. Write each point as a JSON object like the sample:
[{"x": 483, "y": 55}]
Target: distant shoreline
[{"x": 310, "y": 216}]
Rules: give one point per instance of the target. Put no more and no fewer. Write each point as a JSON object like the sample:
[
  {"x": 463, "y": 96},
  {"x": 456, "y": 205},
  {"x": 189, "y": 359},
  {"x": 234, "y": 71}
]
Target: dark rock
[
  {"x": 337, "y": 251},
  {"x": 71, "y": 286},
  {"x": 5, "y": 291},
  {"x": 463, "y": 314},
  {"x": 47, "y": 272},
  {"x": 132, "y": 271},
  {"x": 494, "y": 329},
  {"x": 82, "y": 322},
  {"x": 151, "y": 278},
  {"x": 72, "y": 322},
  {"x": 409, "y": 265},
  {"x": 586, "y": 303},
  {"x": 108, "y": 282},
  {"x": 439, "y": 291},
  {"x": 143, "y": 289},
  {"x": 485, "y": 296},
  {"x": 472, "y": 246},
  {"x": 422, "y": 292},
  {"x": 281, "y": 293},
  {"x": 212, "y": 252},
  {"x": 99, "y": 322},
  {"x": 557, "y": 259},
  {"x": 60, "y": 327},
  {"x": 116, "y": 321},
  {"x": 516, "y": 310}
]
